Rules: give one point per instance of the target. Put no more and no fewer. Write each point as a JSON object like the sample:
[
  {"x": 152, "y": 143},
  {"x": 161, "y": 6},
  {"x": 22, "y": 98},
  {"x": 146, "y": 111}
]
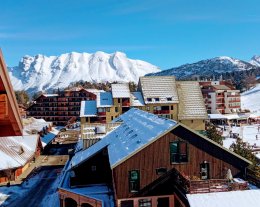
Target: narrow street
[
  {"x": 41, "y": 187},
  {"x": 41, "y": 184}
]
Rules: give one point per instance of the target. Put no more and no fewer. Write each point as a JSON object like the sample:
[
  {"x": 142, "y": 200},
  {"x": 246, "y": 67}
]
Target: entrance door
[{"x": 204, "y": 170}]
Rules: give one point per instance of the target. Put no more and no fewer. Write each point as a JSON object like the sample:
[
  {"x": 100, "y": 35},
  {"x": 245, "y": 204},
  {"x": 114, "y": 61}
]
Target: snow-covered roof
[
  {"x": 191, "y": 105},
  {"x": 88, "y": 108},
  {"x": 139, "y": 129},
  {"x": 49, "y": 137},
  {"x": 221, "y": 87},
  {"x": 225, "y": 199},
  {"x": 50, "y": 95},
  {"x": 16, "y": 151},
  {"x": 216, "y": 116},
  {"x": 34, "y": 124},
  {"x": 162, "y": 87},
  {"x": 104, "y": 99},
  {"x": 137, "y": 99},
  {"x": 231, "y": 116},
  {"x": 120, "y": 90},
  {"x": 93, "y": 90}
]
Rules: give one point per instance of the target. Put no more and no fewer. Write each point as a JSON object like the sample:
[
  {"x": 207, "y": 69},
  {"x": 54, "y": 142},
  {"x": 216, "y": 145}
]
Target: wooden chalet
[
  {"x": 148, "y": 161},
  {"x": 10, "y": 119},
  {"x": 16, "y": 150}
]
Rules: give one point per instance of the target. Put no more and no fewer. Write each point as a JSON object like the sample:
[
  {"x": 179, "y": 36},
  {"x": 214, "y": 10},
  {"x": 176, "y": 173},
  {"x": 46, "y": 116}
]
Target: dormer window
[
  {"x": 157, "y": 99},
  {"x": 149, "y": 99},
  {"x": 169, "y": 99}
]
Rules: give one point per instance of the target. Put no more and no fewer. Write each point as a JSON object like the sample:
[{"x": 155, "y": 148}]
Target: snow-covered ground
[
  {"x": 247, "y": 133},
  {"x": 251, "y": 100}
]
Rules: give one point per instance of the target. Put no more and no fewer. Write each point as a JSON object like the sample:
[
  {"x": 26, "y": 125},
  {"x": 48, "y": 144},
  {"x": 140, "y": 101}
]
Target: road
[{"x": 42, "y": 186}]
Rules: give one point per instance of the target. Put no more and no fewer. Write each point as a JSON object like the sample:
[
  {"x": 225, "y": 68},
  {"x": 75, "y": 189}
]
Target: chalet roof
[
  {"x": 50, "y": 95},
  {"x": 120, "y": 90},
  {"x": 104, "y": 99},
  {"x": 17, "y": 151},
  {"x": 162, "y": 87},
  {"x": 139, "y": 128},
  {"x": 94, "y": 90},
  {"x": 191, "y": 105},
  {"x": 225, "y": 199},
  {"x": 216, "y": 116},
  {"x": 34, "y": 124},
  {"x": 137, "y": 99},
  {"x": 221, "y": 87},
  {"x": 88, "y": 108}
]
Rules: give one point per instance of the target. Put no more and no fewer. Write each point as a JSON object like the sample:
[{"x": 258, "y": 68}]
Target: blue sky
[{"x": 165, "y": 33}]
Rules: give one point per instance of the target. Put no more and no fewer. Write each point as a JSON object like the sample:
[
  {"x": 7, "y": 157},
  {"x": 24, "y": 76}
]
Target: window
[
  {"x": 156, "y": 99},
  {"x": 171, "y": 107},
  {"x": 134, "y": 181},
  {"x": 178, "y": 152},
  {"x": 161, "y": 171},
  {"x": 169, "y": 99},
  {"x": 116, "y": 109},
  {"x": 127, "y": 203},
  {"x": 119, "y": 100},
  {"x": 93, "y": 168},
  {"x": 108, "y": 109},
  {"x": 145, "y": 202},
  {"x": 149, "y": 99}
]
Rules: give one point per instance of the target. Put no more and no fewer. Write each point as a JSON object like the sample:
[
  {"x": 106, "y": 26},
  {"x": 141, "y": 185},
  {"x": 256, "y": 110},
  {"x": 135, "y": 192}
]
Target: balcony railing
[
  {"x": 161, "y": 111},
  {"x": 151, "y": 201},
  {"x": 237, "y": 95},
  {"x": 101, "y": 113},
  {"x": 126, "y": 104},
  {"x": 207, "y": 186}
]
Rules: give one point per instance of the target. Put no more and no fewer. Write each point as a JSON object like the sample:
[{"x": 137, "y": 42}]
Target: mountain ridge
[
  {"x": 210, "y": 67},
  {"x": 42, "y": 73}
]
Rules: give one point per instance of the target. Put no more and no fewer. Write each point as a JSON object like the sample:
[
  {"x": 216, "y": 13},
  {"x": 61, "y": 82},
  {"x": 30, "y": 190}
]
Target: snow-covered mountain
[
  {"x": 212, "y": 66},
  {"x": 255, "y": 60},
  {"x": 251, "y": 100},
  {"x": 37, "y": 73}
]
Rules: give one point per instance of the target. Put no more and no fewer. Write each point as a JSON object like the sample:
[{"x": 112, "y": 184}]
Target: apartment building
[
  {"x": 160, "y": 95},
  {"x": 61, "y": 107},
  {"x": 220, "y": 97}
]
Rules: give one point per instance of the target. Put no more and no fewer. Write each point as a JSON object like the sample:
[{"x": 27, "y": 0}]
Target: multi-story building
[
  {"x": 163, "y": 96},
  {"x": 146, "y": 160},
  {"x": 61, "y": 107},
  {"x": 220, "y": 97}
]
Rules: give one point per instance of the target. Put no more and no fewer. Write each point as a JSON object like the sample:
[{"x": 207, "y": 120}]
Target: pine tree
[{"x": 213, "y": 134}]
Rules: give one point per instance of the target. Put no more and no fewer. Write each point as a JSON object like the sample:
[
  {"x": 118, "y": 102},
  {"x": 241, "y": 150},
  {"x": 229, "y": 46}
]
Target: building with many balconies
[{"x": 220, "y": 97}]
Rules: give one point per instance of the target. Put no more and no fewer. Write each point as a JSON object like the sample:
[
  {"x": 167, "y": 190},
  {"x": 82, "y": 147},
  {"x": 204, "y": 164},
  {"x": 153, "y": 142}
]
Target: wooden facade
[
  {"x": 157, "y": 155},
  {"x": 10, "y": 118}
]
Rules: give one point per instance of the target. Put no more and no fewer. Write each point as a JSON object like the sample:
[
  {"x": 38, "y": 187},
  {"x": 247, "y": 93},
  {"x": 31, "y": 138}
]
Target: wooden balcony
[
  {"x": 101, "y": 113},
  {"x": 193, "y": 186},
  {"x": 126, "y": 104},
  {"x": 161, "y": 111},
  {"x": 150, "y": 201}
]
